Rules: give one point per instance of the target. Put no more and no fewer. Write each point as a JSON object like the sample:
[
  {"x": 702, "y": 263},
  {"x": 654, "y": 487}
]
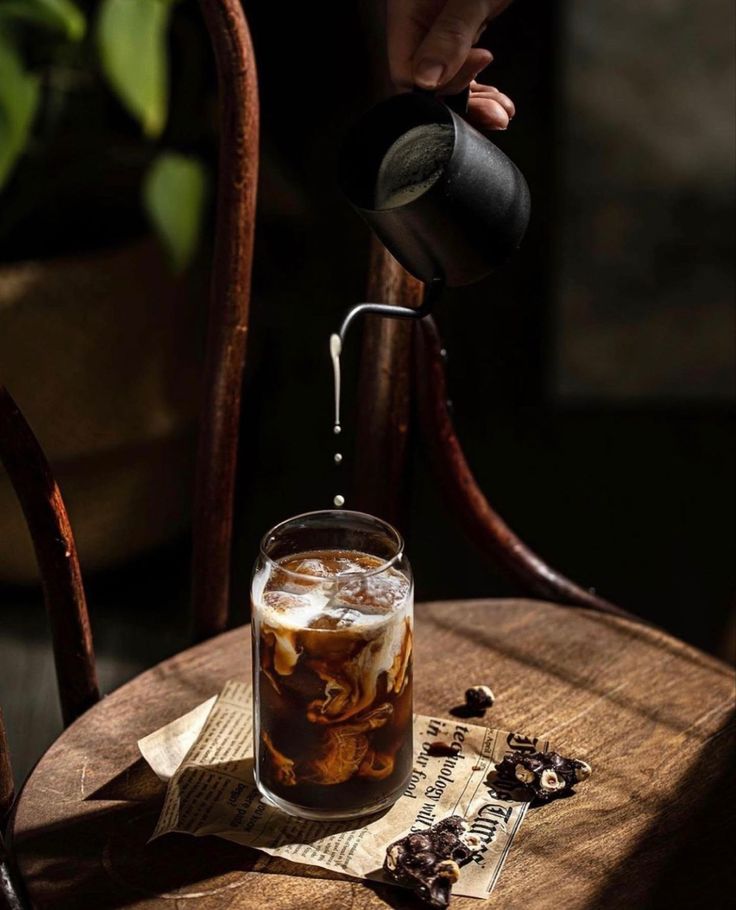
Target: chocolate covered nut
[
  {"x": 550, "y": 780},
  {"x": 422, "y": 861},
  {"x": 393, "y": 856},
  {"x": 445, "y": 842},
  {"x": 429, "y": 862},
  {"x": 453, "y": 823},
  {"x": 472, "y": 841},
  {"x": 449, "y": 869},
  {"x": 545, "y": 774},
  {"x": 524, "y": 775},
  {"x": 418, "y": 842},
  {"x": 478, "y": 698}
]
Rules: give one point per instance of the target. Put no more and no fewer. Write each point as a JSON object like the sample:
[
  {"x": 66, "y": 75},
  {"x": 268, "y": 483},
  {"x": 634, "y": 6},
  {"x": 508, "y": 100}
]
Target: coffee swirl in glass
[{"x": 332, "y": 603}]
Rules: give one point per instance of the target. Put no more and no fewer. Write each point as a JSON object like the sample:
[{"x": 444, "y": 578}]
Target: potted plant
[{"x": 104, "y": 138}]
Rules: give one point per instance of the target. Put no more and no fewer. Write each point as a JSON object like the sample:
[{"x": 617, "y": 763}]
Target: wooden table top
[{"x": 654, "y": 717}]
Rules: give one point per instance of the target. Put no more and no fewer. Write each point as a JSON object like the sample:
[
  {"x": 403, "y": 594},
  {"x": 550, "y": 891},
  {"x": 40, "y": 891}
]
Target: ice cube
[
  {"x": 336, "y": 615},
  {"x": 315, "y": 568},
  {"x": 374, "y": 594},
  {"x": 295, "y": 611}
]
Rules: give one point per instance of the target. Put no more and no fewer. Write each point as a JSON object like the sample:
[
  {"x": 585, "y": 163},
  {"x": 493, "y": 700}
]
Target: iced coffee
[{"x": 332, "y": 665}]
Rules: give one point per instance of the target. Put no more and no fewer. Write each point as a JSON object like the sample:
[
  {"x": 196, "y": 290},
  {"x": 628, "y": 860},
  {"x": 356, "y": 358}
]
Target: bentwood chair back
[{"x": 28, "y": 469}]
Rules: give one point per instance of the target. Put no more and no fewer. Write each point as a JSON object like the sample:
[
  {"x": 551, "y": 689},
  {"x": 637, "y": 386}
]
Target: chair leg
[
  {"x": 7, "y": 788},
  {"x": 483, "y": 524},
  {"x": 10, "y": 893}
]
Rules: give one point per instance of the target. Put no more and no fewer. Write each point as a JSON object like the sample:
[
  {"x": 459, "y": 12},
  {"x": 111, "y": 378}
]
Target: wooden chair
[{"x": 652, "y": 715}]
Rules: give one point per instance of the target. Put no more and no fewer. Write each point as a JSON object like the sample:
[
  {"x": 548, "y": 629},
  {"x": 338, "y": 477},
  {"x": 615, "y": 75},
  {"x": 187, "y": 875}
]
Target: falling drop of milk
[
  {"x": 338, "y": 458},
  {"x": 339, "y": 500}
]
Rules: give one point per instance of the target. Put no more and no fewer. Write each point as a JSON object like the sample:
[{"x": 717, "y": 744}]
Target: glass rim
[{"x": 387, "y": 564}]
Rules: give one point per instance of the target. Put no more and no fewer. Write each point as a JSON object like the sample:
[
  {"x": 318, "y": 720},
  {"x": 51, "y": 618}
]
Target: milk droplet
[
  {"x": 337, "y": 429},
  {"x": 339, "y": 500},
  {"x": 338, "y": 458}
]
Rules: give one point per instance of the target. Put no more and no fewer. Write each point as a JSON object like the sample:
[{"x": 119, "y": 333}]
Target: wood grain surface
[{"x": 653, "y": 716}]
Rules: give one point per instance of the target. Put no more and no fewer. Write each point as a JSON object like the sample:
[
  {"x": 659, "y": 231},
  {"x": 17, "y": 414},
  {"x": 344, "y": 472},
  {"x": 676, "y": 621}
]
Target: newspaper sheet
[{"x": 207, "y": 757}]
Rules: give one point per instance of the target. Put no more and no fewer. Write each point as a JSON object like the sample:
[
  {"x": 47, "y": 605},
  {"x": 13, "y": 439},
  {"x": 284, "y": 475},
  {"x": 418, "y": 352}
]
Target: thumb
[{"x": 448, "y": 42}]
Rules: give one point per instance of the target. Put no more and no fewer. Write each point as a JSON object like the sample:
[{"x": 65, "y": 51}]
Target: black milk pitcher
[{"x": 469, "y": 208}]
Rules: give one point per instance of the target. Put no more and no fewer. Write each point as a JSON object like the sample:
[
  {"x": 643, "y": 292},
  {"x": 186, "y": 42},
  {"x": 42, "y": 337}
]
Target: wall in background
[{"x": 645, "y": 299}]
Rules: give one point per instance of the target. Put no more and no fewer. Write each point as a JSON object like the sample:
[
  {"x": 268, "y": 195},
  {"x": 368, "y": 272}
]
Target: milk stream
[{"x": 335, "y": 351}]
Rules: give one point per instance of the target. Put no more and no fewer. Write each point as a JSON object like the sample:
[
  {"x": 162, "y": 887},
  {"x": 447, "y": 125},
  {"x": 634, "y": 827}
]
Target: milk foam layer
[{"x": 413, "y": 163}]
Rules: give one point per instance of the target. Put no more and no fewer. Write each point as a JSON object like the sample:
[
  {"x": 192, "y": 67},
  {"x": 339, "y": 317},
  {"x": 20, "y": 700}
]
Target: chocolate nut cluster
[
  {"x": 546, "y": 774},
  {"x": 429, "y": 862},
  {"x": 478, "y": 698}
]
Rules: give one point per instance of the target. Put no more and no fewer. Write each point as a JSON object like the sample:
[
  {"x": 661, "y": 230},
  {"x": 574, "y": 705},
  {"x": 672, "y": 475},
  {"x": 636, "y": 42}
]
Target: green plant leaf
[
  {"x": 131, "y": 35},
  {"x": 19, "y": 97},
  {"x": 56, "y": 15},
  {"x": 174, "y": 192}
]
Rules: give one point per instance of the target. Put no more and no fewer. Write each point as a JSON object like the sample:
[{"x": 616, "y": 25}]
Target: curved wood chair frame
[{"x": 229, "y": 309}]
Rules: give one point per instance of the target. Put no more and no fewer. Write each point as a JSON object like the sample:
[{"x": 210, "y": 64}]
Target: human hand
[{"x": 430, "y": 45}]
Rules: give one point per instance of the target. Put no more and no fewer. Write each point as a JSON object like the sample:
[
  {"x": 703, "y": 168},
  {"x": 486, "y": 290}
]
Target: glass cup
[{"x": 332, "y": 604}]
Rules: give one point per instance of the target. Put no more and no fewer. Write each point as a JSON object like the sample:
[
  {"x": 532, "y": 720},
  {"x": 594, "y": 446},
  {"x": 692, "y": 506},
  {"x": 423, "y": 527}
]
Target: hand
[{"x": 430, "y": 45}]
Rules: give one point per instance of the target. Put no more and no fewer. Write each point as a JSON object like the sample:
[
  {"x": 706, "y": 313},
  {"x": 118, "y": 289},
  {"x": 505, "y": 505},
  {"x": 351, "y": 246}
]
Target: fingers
[
  {"x": 407, "y": 23},
  {"x": 478, "y": 90},
  {"x": 478, "y": 59},
  {"x": 489, "y": 109},
  {"x": 442, "y": 33},
  {"x": 448, "y": 42}
]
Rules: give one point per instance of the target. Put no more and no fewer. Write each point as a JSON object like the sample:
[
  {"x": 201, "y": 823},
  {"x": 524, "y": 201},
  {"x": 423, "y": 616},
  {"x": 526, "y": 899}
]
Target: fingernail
[{"x": 428, "y": 73}]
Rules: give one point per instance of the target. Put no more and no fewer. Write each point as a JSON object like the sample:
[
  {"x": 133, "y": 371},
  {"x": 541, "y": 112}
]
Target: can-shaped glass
[{"x": 332, "y": 624}]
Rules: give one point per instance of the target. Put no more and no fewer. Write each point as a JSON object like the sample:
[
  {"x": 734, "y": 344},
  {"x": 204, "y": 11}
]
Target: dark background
[{"x": 592, "y": 380}]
